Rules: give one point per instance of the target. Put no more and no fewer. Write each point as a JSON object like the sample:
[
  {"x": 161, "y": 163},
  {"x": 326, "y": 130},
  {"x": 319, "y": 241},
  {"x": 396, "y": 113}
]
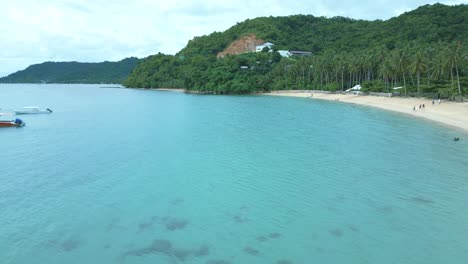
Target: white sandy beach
[{"x": 448, "y": 113}]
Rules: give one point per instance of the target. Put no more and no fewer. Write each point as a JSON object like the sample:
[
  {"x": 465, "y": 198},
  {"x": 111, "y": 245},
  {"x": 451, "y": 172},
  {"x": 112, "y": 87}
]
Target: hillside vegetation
[
  {"x": 74, "y": 72},
  {"x": 423, "y": 51}
]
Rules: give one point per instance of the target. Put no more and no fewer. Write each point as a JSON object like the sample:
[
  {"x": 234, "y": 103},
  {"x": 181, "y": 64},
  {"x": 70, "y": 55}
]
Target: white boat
[{"x": 32, "y": 110}]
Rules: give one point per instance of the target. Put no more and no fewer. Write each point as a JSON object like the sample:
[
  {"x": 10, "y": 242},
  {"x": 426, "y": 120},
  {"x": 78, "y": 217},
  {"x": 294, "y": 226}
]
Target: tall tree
[
  {"x": 453, "y": 57},
  {"x": 417, "y": 66}
]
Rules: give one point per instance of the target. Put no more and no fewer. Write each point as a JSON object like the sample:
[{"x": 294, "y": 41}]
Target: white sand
[{"x": 448, "y": 113}]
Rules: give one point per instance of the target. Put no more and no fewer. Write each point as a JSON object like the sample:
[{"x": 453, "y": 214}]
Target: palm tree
[
  {"x": 438, "y": 68},
  {"x": 401, "y": 63},
  {"x": 385, "y": 71},
  {"x": 453, "y": 57},
  {"x": 429, "y": 58},
  {"x": 418, "y": 66}
]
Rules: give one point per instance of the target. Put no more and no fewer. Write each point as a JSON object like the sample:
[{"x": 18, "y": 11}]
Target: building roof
[
  {"x": 300, "y": 53},
  {"x": 267, "y": 44}
]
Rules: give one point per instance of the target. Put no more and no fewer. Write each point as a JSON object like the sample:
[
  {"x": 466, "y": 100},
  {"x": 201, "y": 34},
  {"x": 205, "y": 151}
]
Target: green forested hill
[
  {"x": 427, "y": 24},
  {"x": 74, "y": 72},
  {"x": 423, "y": 50}
]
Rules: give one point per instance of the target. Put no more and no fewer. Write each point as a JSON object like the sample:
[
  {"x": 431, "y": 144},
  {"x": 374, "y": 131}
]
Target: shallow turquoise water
[{"x": 134, "y": 176}]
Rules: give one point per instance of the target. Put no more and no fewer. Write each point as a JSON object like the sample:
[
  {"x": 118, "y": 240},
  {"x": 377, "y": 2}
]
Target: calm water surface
[{"x": 134, "y": 176}]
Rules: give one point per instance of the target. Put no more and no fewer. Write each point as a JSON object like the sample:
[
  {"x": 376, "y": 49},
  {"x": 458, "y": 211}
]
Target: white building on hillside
[
  {"x": 284, "y": 53},
  {"x": 259, "y": 48}
]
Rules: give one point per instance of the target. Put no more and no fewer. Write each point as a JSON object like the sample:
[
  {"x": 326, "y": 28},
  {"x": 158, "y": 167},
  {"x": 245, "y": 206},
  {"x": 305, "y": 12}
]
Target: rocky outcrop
[{"x": 242, "y": 45}]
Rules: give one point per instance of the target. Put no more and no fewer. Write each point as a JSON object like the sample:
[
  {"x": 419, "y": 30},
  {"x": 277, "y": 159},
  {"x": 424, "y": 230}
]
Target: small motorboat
[
  {"x": 32, "y": 110},
  {"x": 13, "y": 123}
]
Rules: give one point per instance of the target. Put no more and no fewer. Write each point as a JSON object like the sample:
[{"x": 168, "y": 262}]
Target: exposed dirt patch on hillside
[{"x": 242, "y": 45}]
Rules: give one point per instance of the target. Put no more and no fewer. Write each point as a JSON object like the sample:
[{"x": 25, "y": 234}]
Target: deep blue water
[{"x": 137, "y": 176}]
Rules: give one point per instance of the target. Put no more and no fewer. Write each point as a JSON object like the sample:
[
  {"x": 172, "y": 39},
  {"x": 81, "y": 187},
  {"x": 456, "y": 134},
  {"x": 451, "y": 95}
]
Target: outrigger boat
[
  {"x": 32, "y": 110},
  {"x": 14, "y": 123}
]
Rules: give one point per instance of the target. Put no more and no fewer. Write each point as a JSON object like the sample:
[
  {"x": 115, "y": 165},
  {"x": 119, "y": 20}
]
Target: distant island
[
  {"x": 419, "y": 53},
  {"x": 74, "y": 72}
]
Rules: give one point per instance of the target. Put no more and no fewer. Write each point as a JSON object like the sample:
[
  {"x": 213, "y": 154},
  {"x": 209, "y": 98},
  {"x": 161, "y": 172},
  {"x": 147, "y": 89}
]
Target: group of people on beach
[
  {"x": 420, "y": 106},
  {"x": 424, "y": 106}
]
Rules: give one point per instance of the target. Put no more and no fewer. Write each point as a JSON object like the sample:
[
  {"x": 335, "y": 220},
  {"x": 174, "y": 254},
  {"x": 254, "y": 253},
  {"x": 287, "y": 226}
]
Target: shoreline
[
  {"x": 451, "y": 114},
  {"x": 168, "y": 90}
]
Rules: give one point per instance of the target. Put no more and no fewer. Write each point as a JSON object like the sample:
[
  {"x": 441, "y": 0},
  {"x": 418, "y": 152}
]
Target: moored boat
[
  {"x": 13, "y": 123},
  {"x": 32, "y": 110}
]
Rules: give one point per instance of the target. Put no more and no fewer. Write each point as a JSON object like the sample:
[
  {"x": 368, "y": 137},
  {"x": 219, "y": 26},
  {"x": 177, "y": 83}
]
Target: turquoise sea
[{"x": 138, "y": 177}]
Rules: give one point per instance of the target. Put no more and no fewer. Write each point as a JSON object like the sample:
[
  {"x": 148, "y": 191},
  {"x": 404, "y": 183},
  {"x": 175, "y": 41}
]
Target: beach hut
[{"x": 355, "y": 88}]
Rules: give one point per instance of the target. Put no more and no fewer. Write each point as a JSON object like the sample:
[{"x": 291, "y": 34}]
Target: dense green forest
[
  {"x": 424, "y": 51},
  {"x": 74, "y": 72}
]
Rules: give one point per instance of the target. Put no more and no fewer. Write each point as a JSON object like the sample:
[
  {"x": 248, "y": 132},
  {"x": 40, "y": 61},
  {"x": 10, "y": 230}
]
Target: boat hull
[
  {"x": 10, "y": 124},
  {"x": 31, "y": 112}
]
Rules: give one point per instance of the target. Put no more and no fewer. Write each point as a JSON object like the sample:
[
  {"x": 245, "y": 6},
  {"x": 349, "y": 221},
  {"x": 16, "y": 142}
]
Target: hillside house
[
  {"x": 259, "y": 48},
  {"x": 284, "y": 53},
  {"x": 300, "y": 53}
]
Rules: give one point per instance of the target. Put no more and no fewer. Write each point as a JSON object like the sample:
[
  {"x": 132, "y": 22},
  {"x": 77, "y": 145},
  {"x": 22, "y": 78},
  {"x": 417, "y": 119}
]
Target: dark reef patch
[
  {"x": 387, "y": 209},
  {"x": 284, "y": 261},
  {"x": 161, "y": 246},
  {"x": 165, "y": 247},
  {"x": 264, "y": 238},
  {"x": 274, "y": 235},
  {"x": 238, "y": 214},
  {"x": 251, "y": 251},
  {"x": 51, "y": 243},
  {"x": 314, "y": 236},
  {"x": 353, "y": 228},
  {"x": 421, "y": 200},
  {"x": 145, "y": 225},
  {"x": 181, "y": 253},
  {"x": 175, "y": 224},
  {"x": 240, "y": 219},
  {"x": 170, "y": 223},
  {"x": 319, "y": 250},
  {"x": 114, "y": 224},
  {"x": 70, "y": 244},
  {"x": 202, "y": 251},
  {"x": 158, "y": 246},
  {"x": 177, "y": 201},
  {"x": 336, "y": 232},
  {"x": 218, "y": 261}
]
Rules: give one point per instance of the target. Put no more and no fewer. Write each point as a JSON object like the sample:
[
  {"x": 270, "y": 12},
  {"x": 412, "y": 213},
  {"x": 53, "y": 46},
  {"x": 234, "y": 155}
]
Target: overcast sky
[{"x": 34, "y": 31}]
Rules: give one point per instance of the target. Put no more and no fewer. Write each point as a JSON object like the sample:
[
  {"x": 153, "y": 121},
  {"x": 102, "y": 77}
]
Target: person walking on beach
[
  {"x": 439, "y": 100},
  {"x": 414, "y": 108},
  {"x": 424, "y": 106},
  {"x": 432, "y": 102}
]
